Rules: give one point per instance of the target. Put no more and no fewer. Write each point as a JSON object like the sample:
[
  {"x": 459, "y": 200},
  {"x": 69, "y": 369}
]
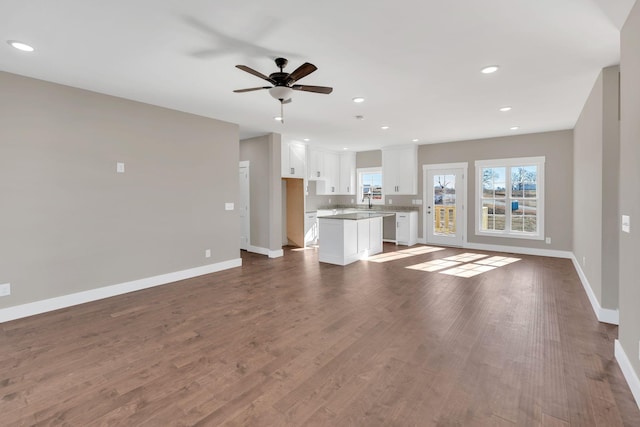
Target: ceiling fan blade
[
  {"x": 300, "y": 72},
  {"x": 256, "y": 73},
  {"x": 251, "y": 89},
  {"x": 316, "y": 89}
]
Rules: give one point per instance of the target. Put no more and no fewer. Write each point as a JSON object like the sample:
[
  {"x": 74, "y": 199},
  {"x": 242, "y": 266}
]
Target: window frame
[
  {"x": 359, "y": 172},
  {"x": 508, "y": 164}
]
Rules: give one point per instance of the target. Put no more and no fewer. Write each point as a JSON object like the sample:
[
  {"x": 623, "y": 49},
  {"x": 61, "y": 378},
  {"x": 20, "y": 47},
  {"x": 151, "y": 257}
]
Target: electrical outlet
[
  {"x": 418, "y": 201},
  {"x": 5, "y": 289},
  {"x": 120, "y": 167},
  {"x": 207, "y": 253},
  {"x": 352, "y": 201},
  {"x": 390, "y": 201},
  {"x": 548, "y": 240},
  {"x": 228, "y": 206},
  {"x": 329, "y": 200}
]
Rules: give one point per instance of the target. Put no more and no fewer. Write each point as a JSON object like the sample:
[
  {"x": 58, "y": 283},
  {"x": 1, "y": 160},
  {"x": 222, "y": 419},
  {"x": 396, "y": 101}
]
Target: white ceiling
[{"x": 417, "y": 63}]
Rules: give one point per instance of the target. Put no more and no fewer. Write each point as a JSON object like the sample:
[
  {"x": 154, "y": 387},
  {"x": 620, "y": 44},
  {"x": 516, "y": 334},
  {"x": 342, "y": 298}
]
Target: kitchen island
[{"x": 349, "y": 237}]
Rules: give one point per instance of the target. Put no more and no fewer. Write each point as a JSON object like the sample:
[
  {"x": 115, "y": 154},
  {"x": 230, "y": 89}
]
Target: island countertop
[{"x": 355, "y": 216}]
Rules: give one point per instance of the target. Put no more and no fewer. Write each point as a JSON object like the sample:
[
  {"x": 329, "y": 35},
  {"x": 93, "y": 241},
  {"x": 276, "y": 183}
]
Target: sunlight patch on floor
[
  {"x": 419, "y": 250},
  {"x": 466, "y": 257},
  {"x": 468, "y": 270},
  {"x": 497, "y": 261},
  {"x": 435, "y": 265},
  {"x": 388, "y": 256},
  {"x": 464, "y": 265},
  {"x": 404, "y": 253}
]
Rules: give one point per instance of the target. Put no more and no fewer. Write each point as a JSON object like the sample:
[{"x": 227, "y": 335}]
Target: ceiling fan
[{"x": 284, "y": 83}]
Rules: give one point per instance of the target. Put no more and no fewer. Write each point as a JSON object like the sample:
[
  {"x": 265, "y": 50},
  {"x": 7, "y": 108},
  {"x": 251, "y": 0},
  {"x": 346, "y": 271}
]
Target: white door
[
  {"x": 244, "y": 205},
  {"x": 445, "y": 200}
]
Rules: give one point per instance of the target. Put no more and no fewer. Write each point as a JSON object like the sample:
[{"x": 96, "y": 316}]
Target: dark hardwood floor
[{"x": 290, "y": 341}]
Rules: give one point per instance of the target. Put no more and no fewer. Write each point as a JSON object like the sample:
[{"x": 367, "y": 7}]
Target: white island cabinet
[{"x": 347, "y": 238}]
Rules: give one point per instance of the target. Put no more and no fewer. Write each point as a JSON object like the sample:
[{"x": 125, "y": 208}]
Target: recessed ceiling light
[
  {"x": 20, "y": 46},
  {"x": 358, "y": 99},
  {"x": 306, "y": 140},
  {"x": 384, "y": 127},
  {"x": 345, "y": 148},
  {"x": 277, "y": 118},
  {"x": 490, "y": 69},
  {"x": 506, "y": 108},
  {"x": 415, "y": 140},
  {"x": 514, "y": 127}
]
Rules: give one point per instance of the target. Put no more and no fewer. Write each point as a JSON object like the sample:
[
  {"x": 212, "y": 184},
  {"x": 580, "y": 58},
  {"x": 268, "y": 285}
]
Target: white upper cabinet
[
  {"x": 400, "y": 170},
  {"x": 330, "y": 175},
  {"x": 293, "y": 159},
  {"x": 335, "y": 172},
  {"x": 347, "y": 173},
  {"x": 315, "y": 164}
]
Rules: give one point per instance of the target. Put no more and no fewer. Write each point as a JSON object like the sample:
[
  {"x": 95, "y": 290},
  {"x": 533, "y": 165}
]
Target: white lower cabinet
[
  {"x": 310, "y": 228},
  {"x": 343, "y": 241},
  {"x": 407, "y": 228}
]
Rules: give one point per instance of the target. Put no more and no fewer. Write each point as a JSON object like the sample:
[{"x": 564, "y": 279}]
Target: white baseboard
[
  {"x": 422, "y": 241},
  {"x": 265, "y": 251},
  {"x": 519, "y": 250},
  {"x": 257, "y": 250},
  {"x": 56, "y": 303},
  {"x": 627, "y": 370},
  {"x": 605, "y": 315},
  {"x": 275, "y": 254}
]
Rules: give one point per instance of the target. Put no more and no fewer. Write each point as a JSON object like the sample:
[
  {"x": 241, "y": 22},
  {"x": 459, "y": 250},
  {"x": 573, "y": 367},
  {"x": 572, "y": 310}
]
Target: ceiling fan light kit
[
  {"x": 283, "y": 83},
  {"x": 281, "y": 93}
]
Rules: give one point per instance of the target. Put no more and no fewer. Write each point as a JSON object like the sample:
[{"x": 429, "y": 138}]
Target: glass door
[{"x": 444, "y": 210}]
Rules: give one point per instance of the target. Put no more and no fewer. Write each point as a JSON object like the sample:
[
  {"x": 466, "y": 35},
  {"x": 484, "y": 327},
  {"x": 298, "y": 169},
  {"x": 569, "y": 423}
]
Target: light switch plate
[
  {"x": 228, "y": 206},
  {"x": 626, "y": 223},
  {"x": 207, "y": 253},
  {"x": 5, "y": 289},
  {"x": 120, "y": 167}
]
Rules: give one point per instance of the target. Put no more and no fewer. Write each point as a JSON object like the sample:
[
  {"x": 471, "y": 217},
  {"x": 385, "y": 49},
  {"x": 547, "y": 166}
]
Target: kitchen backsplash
[{"x": 315, "y": 202}]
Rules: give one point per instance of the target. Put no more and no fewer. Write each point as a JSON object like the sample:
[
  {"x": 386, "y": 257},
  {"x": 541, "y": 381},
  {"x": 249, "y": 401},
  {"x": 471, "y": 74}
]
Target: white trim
[
  {"x": 247, "y": 164},
  {"x": 56, "y": 303},
  {"x": 508, "y": 163},
  {"x": 265, "y": 251},
  {"x": 627, "y": 370},
  {"x": 257, "y": 250},
  {"x": 360, "y": 171},
  {"x": 520, "y": 250},
  {"x": 605, "y": 315},
  {"x": 275, "y": 254}
]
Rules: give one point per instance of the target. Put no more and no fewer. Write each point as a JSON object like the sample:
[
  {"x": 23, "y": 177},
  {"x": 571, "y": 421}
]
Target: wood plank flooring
[{"x": 292, "y": 342}]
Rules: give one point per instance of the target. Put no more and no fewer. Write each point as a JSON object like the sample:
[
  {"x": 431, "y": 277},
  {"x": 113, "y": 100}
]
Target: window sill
[{"x": 510, "y": 235}]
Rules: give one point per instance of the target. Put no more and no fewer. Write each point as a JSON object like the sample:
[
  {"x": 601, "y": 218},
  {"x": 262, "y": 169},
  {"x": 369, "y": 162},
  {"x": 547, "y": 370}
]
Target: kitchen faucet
[{"x": 368, "y": 196}]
